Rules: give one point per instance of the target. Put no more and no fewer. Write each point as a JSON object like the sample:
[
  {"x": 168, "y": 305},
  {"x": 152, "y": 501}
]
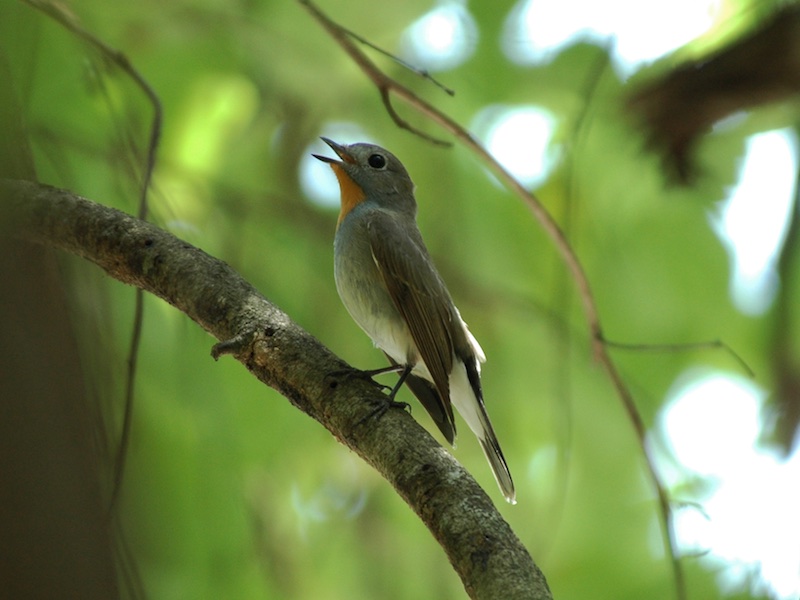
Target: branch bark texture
[{"x": 482, "y": 548}]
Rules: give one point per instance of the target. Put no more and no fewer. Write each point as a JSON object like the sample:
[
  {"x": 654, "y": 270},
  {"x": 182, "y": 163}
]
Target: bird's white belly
[
  {"x": 390, "y": 335},
  {"x": 373, "y": 310}
]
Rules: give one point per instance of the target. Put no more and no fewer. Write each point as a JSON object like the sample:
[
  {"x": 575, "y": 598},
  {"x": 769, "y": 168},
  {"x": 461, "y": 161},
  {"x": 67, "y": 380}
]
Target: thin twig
[
  {"x": 563, "y": 343},
  {"x": 385, "y": 84},
  {"x": 388, "y": 86},
  {"x": 665, "y": 508},
  {"x": 58, "y": 13},
  {"x": 709, "y": 344},
  {"x": 424, "y": 73}
]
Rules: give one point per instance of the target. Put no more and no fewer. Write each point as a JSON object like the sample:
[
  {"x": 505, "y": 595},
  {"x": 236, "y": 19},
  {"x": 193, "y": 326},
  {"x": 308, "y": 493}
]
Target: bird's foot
[
  {"x": 347, "y": 374},
  {"x": 381, "y": 406},
  {"x": 351, "y": 373}
]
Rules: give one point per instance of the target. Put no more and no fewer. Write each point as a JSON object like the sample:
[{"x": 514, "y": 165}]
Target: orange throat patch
[{"x": 352, "y": 194}]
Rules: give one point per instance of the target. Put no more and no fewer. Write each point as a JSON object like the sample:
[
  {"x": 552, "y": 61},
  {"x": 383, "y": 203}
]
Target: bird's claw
[
  {"x": 381, "y": 407},
  {"x": 358, "y": 374},
  {"x": 383, "y": 404}
]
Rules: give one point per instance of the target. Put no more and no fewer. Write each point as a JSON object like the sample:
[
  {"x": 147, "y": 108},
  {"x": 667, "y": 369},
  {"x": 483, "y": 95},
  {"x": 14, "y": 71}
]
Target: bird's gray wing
[{"x": 419, "y": 295}]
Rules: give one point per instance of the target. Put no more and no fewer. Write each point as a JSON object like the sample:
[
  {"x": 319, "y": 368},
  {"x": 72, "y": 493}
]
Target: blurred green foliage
[{"x": 231, "y": 492}]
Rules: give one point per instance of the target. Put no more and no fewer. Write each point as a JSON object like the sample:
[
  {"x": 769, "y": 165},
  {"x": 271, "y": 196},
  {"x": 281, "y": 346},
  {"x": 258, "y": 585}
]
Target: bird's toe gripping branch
[{"x": 381, "y": 405}]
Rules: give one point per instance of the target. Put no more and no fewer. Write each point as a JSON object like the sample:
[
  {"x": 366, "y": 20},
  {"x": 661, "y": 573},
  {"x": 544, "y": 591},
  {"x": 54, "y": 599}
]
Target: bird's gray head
[{"x": 367, "y": 172}]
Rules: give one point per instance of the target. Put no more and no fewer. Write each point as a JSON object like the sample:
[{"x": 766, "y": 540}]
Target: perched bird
[{"x": 389, "y": 285}]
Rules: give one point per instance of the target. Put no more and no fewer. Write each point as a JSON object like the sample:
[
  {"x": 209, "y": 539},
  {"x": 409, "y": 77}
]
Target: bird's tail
[
  {"x": 466, "y": 394},
  {"x": 491, "y": 448}
]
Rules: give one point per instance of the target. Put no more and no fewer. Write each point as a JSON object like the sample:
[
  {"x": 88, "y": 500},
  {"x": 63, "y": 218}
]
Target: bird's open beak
[{"x": 341, "y": 152}]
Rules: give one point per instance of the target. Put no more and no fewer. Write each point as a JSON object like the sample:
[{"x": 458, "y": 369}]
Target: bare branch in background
[
  {"x": 59, "y": 13},
  {"x": 678, "y": 108}
]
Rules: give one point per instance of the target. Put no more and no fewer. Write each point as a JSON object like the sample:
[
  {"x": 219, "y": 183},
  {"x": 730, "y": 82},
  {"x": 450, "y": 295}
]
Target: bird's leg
[
  {"x": 347, "y": 373},
  {"x": 381, "y": 406},
  {"x": 390, "y": 402},
  {"x": 389, "y": 369},
  {"x": 403, "y": 376}
]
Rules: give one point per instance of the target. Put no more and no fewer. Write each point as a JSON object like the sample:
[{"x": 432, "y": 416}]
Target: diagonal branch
[
  {"x": 388, "y": 87},
  {"x": 482, "y": 548}
]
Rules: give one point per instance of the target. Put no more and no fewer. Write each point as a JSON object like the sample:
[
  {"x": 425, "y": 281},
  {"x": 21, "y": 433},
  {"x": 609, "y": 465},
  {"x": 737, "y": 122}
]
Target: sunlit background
[
  {"x": 747, "y": 523},
  {"x": 232, "y": 492}
]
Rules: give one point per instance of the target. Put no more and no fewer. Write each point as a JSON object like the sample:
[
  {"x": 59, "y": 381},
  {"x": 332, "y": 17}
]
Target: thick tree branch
[{"x": 485, "y": 553}]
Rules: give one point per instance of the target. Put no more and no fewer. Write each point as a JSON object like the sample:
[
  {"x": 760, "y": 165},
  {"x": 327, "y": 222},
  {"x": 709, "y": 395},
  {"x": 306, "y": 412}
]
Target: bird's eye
[{"x": 377, "y": 161}]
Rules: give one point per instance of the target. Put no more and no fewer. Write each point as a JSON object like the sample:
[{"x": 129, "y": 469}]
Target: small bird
[{"x": 389, "y": 285}]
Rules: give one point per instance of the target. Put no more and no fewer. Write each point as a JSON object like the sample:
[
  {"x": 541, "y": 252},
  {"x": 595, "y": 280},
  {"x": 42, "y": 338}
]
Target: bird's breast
[{"x": 364, "y": 296}]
